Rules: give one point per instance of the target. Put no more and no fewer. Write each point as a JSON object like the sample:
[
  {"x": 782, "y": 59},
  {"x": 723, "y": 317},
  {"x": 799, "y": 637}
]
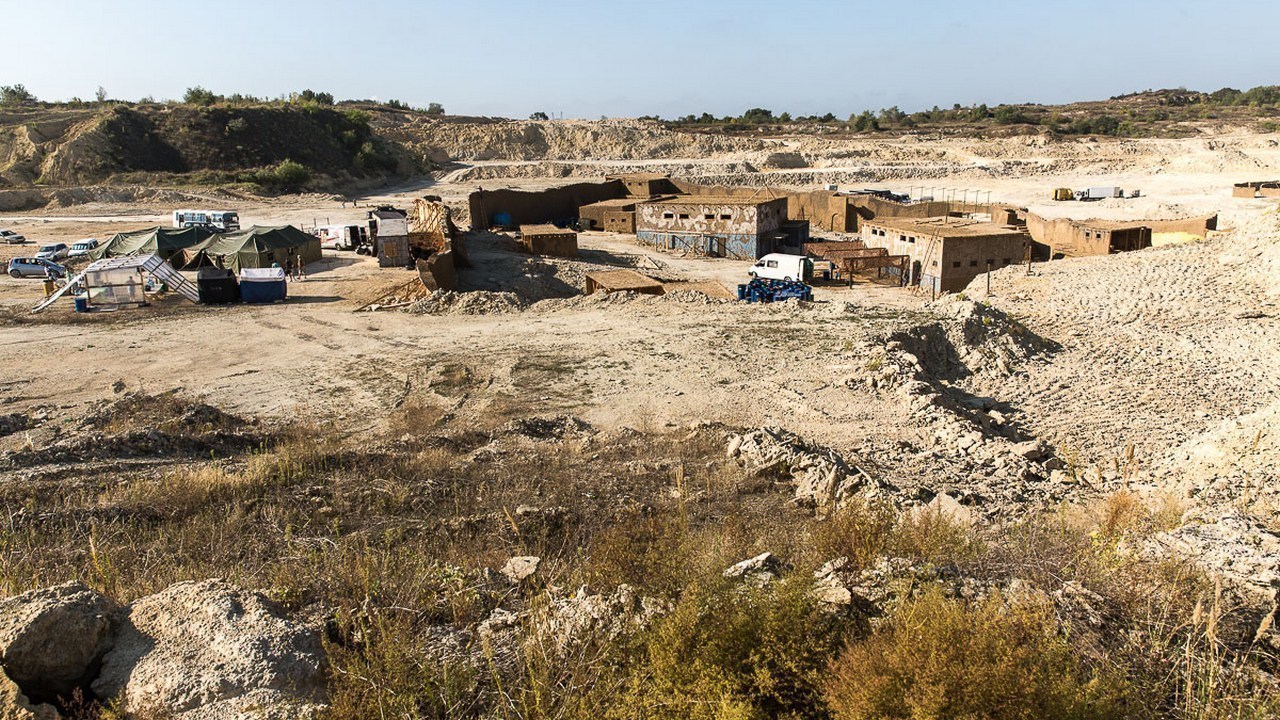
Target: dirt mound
[
  {"x": 972, "y": 338},
  {"x": 451, "y": 302},
  {"x": 140, "y": 425}
]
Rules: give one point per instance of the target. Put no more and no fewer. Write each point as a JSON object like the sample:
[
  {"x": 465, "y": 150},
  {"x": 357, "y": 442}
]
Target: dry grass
[
  {"x": 393, "y": 538},
  {"x": 1001, "y": 658}
]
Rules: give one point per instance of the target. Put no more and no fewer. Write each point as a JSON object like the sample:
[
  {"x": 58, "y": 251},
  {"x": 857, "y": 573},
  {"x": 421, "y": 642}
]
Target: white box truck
[
  {"x": 1101, "y": 192},
  {"x": 779, "y": 266}
]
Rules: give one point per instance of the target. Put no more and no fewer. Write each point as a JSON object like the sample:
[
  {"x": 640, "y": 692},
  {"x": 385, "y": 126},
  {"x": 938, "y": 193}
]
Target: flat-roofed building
[
  {"x": 735, "y": 227},
  {"x": 947, "y": 253}
]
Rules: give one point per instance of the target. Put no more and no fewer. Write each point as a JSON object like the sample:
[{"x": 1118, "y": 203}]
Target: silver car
[
  {"x": 53, "y": 251},
  {"x": 11, "y": 237},
  {"x": 35, "y": 267}
]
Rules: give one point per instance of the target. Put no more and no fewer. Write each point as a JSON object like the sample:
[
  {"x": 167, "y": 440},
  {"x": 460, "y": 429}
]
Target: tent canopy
[
  {"x": 160, "y": 241},
  {"x": 256, "y": 247}
]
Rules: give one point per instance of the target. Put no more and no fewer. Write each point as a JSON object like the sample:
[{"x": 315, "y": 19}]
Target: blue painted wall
[{"x": 742, "y": 247}]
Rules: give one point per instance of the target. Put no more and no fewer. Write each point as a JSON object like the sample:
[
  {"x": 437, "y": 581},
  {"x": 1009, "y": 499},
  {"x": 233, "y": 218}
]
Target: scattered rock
[
  {"x": 758, "y": 570},
  {"x": 520, "y": 568},
  {"x": 947, "y": 506},
  {"x": 1235, "y": 547},
  {"x": 822, "y": 477}
]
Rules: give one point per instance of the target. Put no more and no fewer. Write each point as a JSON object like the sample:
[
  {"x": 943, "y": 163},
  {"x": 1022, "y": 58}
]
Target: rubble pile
[{"x": 822, "y": 477}]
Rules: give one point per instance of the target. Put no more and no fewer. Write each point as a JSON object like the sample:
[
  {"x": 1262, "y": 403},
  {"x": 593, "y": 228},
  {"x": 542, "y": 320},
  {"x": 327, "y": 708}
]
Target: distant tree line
[
  {"x": 1171, "y": 105},
  {"x": 18, "y": 96}
]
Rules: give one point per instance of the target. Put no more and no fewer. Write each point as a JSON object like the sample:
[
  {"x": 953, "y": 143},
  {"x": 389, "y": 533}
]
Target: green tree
[
  {"x": 101, "y": 95},
  {"x": 320, "y": 98},
  {"x": 865, "y": 122},
  {"x": 435, "y": 109},
  {"x": 543, "y": 116},
  {"x": 757, "y": 116},
  {"x": 199, "y": 96},
  {"x": 892, "y": 115},
  {"x": 12, "y": 95}
]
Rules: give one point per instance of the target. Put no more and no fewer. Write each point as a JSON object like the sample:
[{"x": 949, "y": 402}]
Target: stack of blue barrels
[{"x": 767, "y": 291}]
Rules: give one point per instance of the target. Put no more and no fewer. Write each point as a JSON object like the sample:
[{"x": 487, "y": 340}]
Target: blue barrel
[{"x": 82, "y": 303}]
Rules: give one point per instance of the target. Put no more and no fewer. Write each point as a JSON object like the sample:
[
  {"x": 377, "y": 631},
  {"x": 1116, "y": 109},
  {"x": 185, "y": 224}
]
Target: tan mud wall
[{"x": 535, "y": 207}]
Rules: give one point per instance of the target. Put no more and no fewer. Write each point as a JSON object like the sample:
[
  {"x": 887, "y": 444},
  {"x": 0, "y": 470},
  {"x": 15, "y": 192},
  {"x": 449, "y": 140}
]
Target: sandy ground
[{"x": 1153, "y": 351}]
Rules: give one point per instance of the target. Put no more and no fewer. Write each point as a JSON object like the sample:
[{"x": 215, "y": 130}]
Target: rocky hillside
[
  {"x": 214, "y": 144},
  {"x": 340, "y": 146},
  {"x": 483, "y": 139}
]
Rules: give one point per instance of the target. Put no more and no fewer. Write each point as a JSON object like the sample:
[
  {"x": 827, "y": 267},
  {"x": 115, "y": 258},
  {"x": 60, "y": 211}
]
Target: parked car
[
  {"x": 82, "y": 248},
  {"x": 53, "y": 251},
  {"x": 11, "y": 237},
  {"x": 35, "y": 267}
]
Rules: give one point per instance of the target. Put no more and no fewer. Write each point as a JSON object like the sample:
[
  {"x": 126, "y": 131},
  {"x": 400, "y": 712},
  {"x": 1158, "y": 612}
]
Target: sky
[{"x": 594, "y": 58}]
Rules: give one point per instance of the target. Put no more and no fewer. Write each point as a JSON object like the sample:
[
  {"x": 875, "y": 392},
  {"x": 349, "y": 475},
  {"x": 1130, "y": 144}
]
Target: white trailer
[{"x": 1101, "y": 192}]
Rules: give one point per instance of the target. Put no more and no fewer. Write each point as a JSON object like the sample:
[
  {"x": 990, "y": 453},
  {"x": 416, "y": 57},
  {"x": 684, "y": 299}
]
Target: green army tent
[
  {"x": 161, "y": 241},
  {"x": 256, "y": 247}
]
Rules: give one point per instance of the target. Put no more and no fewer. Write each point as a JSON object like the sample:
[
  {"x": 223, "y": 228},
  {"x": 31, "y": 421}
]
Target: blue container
[
  {"x": 263, "y": 292},
  {"x": 82, "y": 303},
  {"x": 502, "y": 219}
]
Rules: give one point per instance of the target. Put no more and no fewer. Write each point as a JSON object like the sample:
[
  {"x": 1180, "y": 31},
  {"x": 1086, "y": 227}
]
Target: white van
[{"x": 777, "y": 266}]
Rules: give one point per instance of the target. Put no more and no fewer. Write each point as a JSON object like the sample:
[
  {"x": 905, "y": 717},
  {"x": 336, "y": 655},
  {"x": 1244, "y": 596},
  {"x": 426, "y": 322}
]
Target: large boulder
[
  {"x": 52, "y": 640},
  {"x": 212, "y": 650}
]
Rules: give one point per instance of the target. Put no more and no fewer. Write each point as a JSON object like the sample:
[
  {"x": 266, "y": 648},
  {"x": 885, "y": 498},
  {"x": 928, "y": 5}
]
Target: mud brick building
[
  {"x": 946, "y": 254},
  {"x": 735, "y": 227}
]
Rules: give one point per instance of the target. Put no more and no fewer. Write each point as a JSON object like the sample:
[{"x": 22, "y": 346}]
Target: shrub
[
  {"x": 292, "y": 174},
  {"x": 728, "y": 651},
  {"x": 288, "y": 175},
  {"x": 1010, "y": 115},
  {"x": 199, "y": 96},
  {"x": 939, "y": 658}
]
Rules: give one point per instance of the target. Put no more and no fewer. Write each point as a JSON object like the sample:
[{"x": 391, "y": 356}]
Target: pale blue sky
[{"x": 587, "y": 58}]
